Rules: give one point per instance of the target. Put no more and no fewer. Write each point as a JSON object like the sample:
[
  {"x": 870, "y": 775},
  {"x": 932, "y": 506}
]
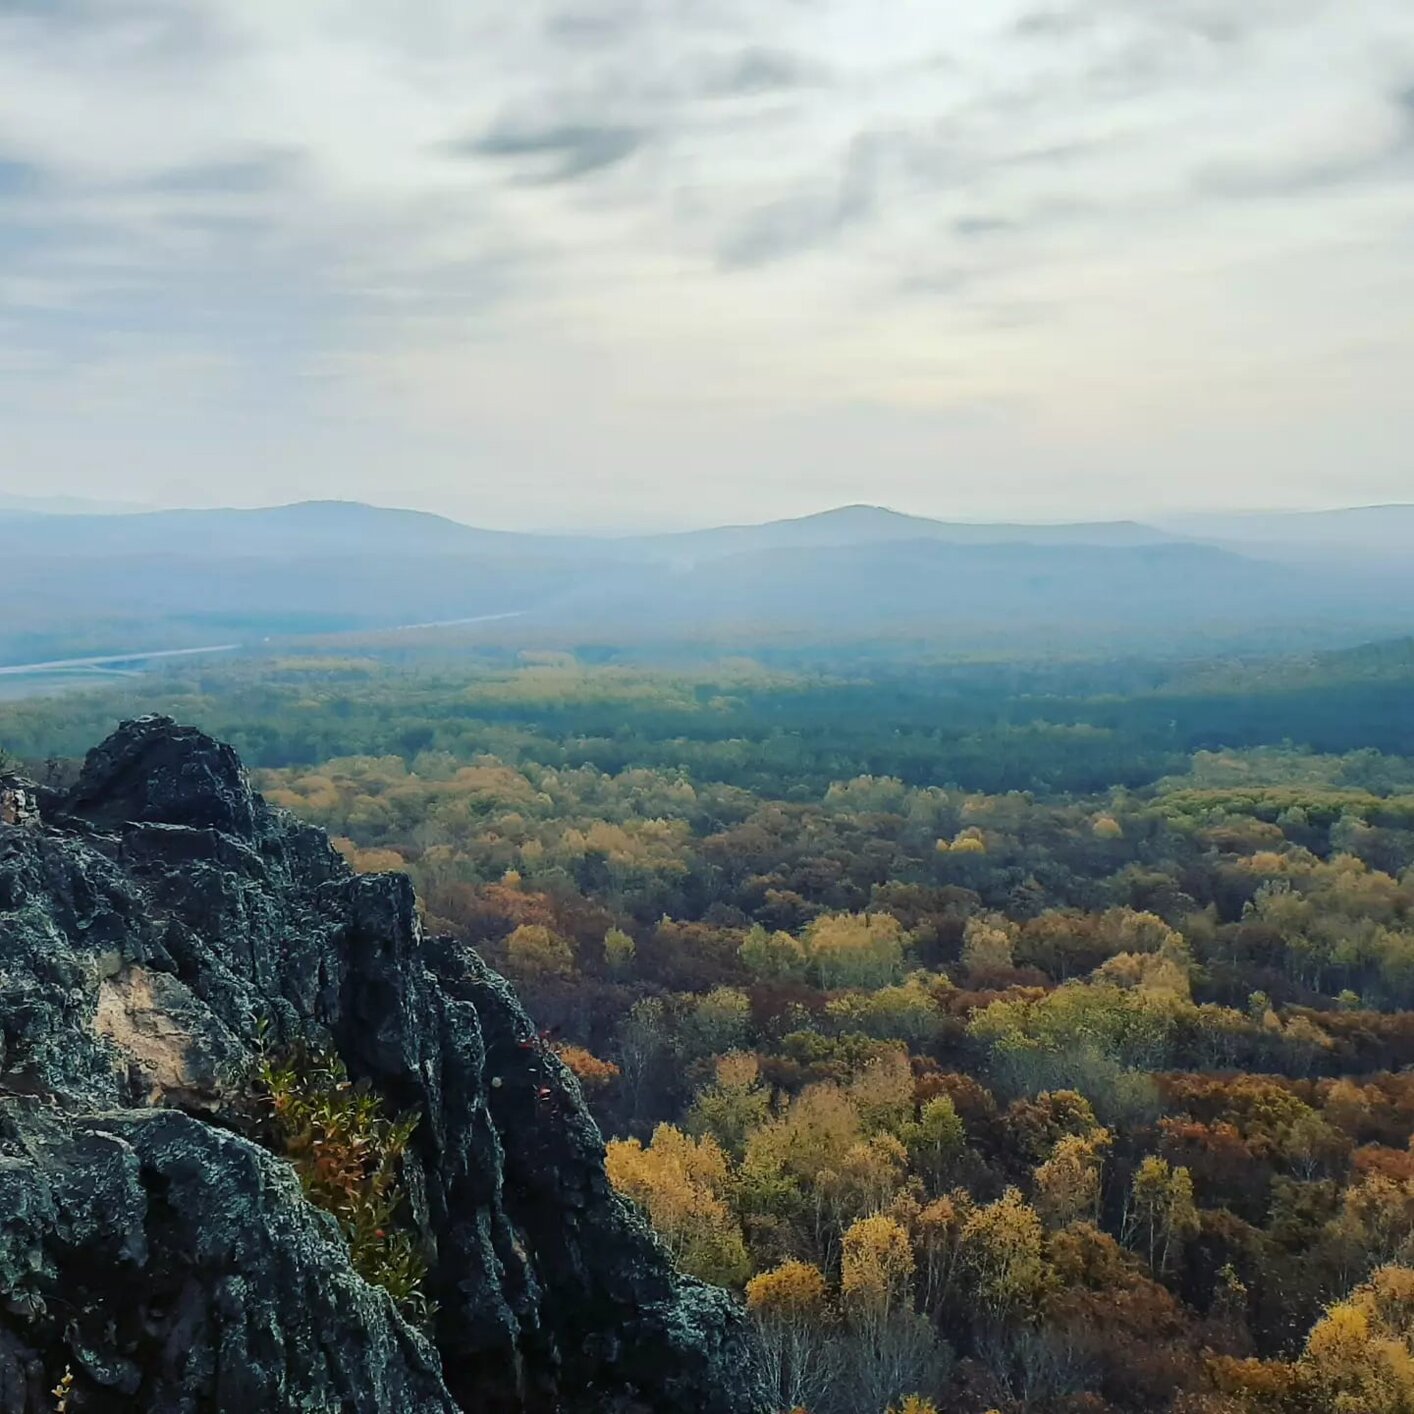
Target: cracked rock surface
[{"x": 151, "y": 921}]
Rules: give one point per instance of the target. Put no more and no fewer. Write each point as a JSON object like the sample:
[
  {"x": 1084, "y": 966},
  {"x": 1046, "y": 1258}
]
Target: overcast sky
[{"x": 623, "y": 263}]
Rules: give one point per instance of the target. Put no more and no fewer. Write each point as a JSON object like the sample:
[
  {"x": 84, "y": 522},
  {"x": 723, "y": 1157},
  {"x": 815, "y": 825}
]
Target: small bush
[{"x": 348, "y": 1155}]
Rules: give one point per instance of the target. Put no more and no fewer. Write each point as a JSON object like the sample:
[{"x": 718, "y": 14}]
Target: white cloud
[{"x": 704, "y": 258}]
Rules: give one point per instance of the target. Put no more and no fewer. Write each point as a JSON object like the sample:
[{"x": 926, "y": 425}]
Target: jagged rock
[
  {"x": 150, "y": 924},
  {"x": 179, "y": 1268}
]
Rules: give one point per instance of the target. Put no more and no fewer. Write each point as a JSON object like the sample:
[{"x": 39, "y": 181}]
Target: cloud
[
  {"x": 1053, "y": 24},
  {"x": 981, "y": 224},
  {"x": 755, "y": 71},
  {"x": 1294, "y": 177},
  {"x": 147, "y": 34},
  {"x": 798, "y": 223},
  {"x": 652, "y": 215},
  {"x": 785, "y": 228},
  {"x": 255, "y": 173},
  {"x": 1374, "y": 144},
  {"x": 590, "y": 29},
  {"x": 1217, "y": 22},
  {"x": 572, "y": 150}
]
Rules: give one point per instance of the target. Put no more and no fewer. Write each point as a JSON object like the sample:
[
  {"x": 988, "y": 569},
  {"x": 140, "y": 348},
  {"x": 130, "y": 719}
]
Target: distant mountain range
[
  {"x": 102, "y": 583},
  {"x": 1354, "y": 536},
  {"x": 874, "y": 525}
]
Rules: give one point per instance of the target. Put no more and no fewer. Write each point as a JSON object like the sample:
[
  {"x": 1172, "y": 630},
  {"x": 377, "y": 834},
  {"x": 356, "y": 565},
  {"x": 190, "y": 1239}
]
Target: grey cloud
[
  {"x": 899, "y": 166},
  {"x": 1055, "y": 24},
  {"x": 218, "y": 227},
  {"x": 982, "y": 225},
  {"x": 1301, "y": 176},
  {"x": 1031, "y": 219},
  {"x": 1129, "y": 51},
  {"x": 1258, "y": 179},
  {"x": 942, "y": 280},
  {"x": 141, "y": 32},
  {"x": 810, "y": 219},
  {"x": 571, "y": 149},
  {"x": 589, "y": 29},
  {"x": 758, "y": 71},
  {"x": 258, "y": 172},
  {"x": 1052, "y": 154},
  {"x": 782, "y": 228},
  {"x": 1217, "y": 21},
  {"x": 55, "y": 12}
]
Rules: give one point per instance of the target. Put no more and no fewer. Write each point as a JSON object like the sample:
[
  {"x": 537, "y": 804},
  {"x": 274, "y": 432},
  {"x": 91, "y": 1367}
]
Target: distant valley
[{"x": 85, "y": 585}]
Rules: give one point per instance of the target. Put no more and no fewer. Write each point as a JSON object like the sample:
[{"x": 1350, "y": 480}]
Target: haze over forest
[{"x": 85, "y": 585}]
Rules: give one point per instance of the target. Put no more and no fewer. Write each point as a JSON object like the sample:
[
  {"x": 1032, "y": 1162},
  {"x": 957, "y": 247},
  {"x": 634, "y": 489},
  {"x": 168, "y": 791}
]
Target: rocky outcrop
[{"x": 152, "y": 921}]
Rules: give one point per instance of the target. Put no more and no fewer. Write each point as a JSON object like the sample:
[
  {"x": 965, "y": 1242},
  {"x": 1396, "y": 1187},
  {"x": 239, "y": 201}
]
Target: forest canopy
[{"x": 1010, "y": 1036}]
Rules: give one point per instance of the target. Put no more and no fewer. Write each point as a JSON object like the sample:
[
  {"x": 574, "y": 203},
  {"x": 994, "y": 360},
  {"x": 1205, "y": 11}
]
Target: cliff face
[{"x": 150, "y": 922}]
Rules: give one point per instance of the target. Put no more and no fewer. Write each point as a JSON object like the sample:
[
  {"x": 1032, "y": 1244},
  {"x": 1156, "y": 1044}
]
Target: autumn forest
[{"x": 1009, "y": 1036}]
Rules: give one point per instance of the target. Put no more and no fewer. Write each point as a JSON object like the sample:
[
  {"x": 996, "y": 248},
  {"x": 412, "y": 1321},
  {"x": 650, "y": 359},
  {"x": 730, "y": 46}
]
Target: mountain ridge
[
  {"x": 80, "y": 586},
  {"x": 322, "y": 522}
]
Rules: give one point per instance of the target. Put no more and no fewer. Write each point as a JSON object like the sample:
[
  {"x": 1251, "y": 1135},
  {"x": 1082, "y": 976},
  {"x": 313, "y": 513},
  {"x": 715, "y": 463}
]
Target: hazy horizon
[
  {"x": 619, "y": 267},
  {"x": 68, "y": 506}
]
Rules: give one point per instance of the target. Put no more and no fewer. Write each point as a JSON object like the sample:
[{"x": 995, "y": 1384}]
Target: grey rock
[
  {"x": 151, "y": 923},
  {"x": 178, "y": 1268}
]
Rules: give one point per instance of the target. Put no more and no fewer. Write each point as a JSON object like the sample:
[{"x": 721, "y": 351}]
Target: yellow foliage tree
[
  {"x": 1068, "y": 1183},
  {"x": 792, "y": 1291},
  {"x": 533, "y": 951},
  {"x": 734, "y": 1105},
  {"x": 869, "y": 1176},
  {"x": 790, "y": 1307},
  {"x": 987, "y": 943},
  {"x": 883, "y": 1091},
  {"x": 1360, "y": 1356},
  {"x": 1003, "y": 1247},
  {"x": 1162, "y": 1214},
  {"x": 619, "y": 950},
  {"x": 876, "y": 1269},
  {"x": 937, "y": 1244},
  {"x": 679, "y": 1183},
  {"x": 891, "y": 1348},
  {"x": 813, "y": 1136},
  {"x": 1159, "y": 974},
  {"x": 370, "y": 861},
  {"x": 857, "y": 949}
]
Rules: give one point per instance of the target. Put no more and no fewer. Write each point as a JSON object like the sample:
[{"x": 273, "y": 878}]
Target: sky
[{"x": 623, "y": 264}]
